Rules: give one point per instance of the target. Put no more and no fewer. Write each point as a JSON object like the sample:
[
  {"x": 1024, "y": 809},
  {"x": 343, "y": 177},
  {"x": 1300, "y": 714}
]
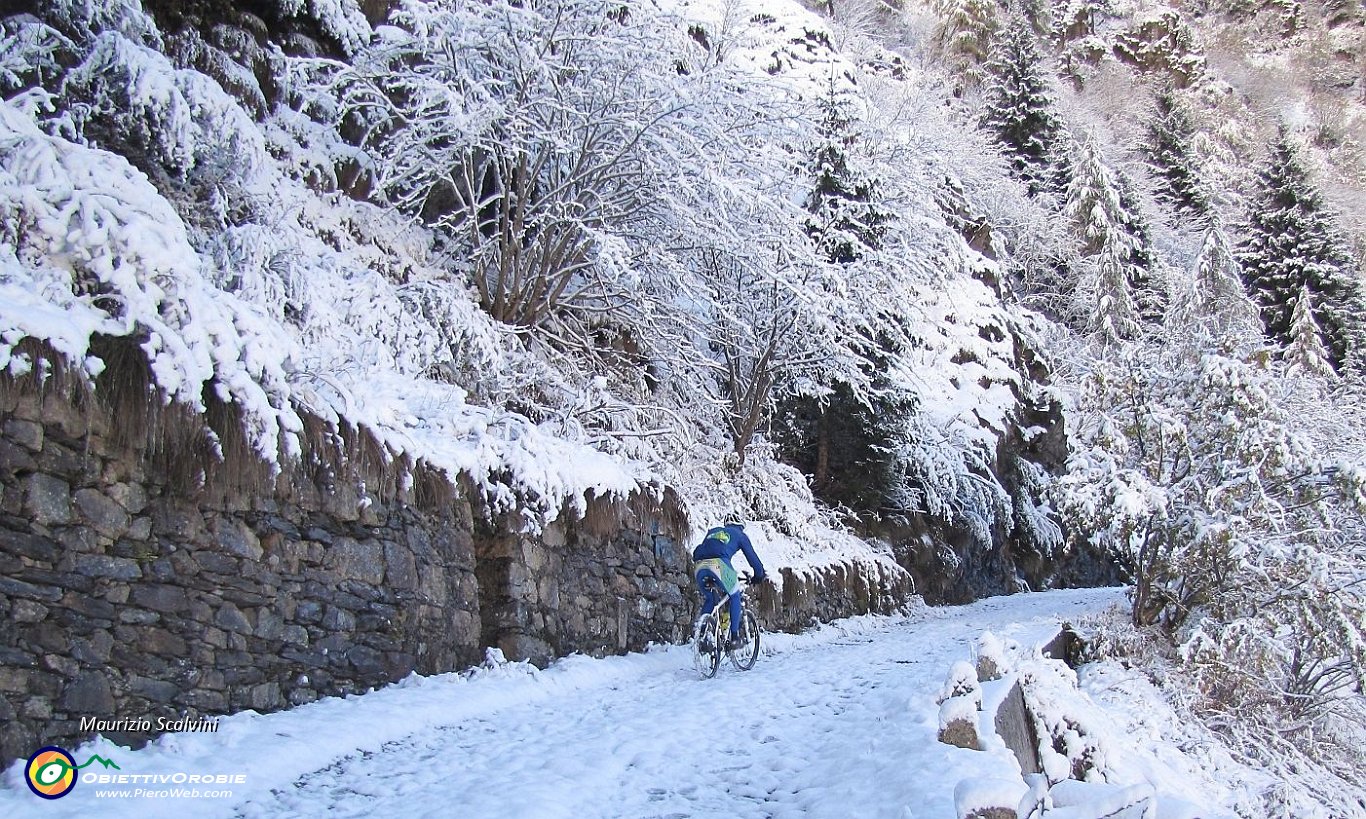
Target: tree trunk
[{"x": 822, "y": 476}]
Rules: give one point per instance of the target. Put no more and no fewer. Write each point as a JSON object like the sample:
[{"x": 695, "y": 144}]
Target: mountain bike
[{"x": 711, "y": 633}]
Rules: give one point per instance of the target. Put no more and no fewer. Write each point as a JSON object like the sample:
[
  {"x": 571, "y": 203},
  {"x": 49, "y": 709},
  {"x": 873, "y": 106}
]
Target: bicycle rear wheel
[
  {"x": 706, "y": 646},
  {"x": 744, "y": 656}
]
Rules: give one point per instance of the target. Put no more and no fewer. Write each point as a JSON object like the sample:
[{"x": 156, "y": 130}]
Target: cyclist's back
[{"x": 712, "y": 558}]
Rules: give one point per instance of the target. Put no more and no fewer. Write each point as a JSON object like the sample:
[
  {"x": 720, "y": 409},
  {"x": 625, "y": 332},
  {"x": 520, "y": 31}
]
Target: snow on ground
[{"x": 837, "y": 722}]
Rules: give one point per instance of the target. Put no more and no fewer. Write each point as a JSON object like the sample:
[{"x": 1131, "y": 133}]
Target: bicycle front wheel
[
  {"x": 706, "y": 646},
  {"x": 744, "y": 655}
]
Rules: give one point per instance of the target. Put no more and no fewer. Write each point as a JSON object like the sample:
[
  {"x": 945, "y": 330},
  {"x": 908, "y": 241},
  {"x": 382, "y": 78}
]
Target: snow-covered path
[{"x": 838, "y": 722}]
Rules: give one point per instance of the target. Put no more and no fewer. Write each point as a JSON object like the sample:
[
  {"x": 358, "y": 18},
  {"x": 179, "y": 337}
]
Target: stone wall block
[
  {"x": 18, "y": 588},
  {"x": 102, "y": 512},
  {"x": 179, "y": 520},
  {"x": 27, "y": 434},
  {"x": 106, "y": 567},
  {"x": 89, "y": 695},
  {"x": 131, "y": 496},
  {"x": 231, "y": 619},
  {"x": 356, "y": 560},
  {"x": 48, "y": 499}
]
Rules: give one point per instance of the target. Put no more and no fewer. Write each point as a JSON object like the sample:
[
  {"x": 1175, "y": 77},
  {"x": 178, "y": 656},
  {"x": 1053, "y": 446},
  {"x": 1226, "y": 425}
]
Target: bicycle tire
[
  {"x": 744, "y": 657},
  {"x": 706, "y": 646}
]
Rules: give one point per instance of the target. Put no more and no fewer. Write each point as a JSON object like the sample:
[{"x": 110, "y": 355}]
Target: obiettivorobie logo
[{"x": 51, "y": 771}]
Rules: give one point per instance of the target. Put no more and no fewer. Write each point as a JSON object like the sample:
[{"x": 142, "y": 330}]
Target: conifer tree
[
  {"x": 965, "y": 37},
  {"x": 1113, "y": 247},
  {"x": 1172, "y": 158},
  {"x": 1306, "y": 354},
  {"x": 845, "y": 217},
  {"x": 1150, "y": 294},
  {"x": 1215, "y": 296},
  {"x": 1293, "y": 243},
  {"x": 1018, "y": 106}
]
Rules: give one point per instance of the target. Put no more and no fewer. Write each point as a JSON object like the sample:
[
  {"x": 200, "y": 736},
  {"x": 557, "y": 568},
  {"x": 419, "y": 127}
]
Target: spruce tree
[
  {"x": 1307, "y": 354},
  {"x": 1215, "y": 296},
  {"x": 1114, "y": 246},
  {"x": 846, "y": 219},
  {"x": 1149, "y": 291},
  {"x": 1172, "y": 158},
  {"x": 965, "y": 37},
  {"x": 1018, "y": 105},
  {"x": 1291, "y": 243}
]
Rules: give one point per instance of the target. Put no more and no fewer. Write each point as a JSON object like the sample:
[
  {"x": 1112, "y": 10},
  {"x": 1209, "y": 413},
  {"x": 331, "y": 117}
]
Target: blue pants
[{"x": 713, "y": 592}]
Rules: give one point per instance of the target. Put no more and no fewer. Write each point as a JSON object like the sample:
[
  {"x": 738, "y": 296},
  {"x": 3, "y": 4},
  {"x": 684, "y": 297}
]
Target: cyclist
[{"x": 712, "y": 559}]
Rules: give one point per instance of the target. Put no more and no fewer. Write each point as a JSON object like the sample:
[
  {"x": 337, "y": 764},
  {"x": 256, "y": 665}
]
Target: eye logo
[{"x": 51, "y": 772}]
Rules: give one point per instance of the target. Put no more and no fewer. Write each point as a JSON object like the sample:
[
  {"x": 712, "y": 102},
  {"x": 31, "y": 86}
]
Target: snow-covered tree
[
  {"x": 1214, "y": 297},
  {"x": 965, "y": 36},
  {"x": 1171, "y": 155},
  {"x": 1306, "y": 353},
  {"x": 1110, "y": 247},
  {"x": 846, "y": 217},
  {"x": 1235, "y": 531},
  {"x": 1075, "y": 19},
  {"x": 1018, "y": 106},
  {"x": 1292, "y": 243}
]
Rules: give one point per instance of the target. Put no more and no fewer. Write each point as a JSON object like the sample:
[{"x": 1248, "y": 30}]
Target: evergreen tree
[
  {"x": 852, "y": 446},
  {"x": 845, "y": 218},
  {"x": 1306, "y": 354},
  {"x": 965, "y": 37},
  {"x": 1173, "y": 160},
  {"x": 1077, "y": 18},
  {"x": 1215, "y": 296},
  {"x": 1114, "y": 248},
  {"x": 1018, "y": 109},
  {"x": 1149, "y": 291},
  {"x": 1292, "y": 243}
]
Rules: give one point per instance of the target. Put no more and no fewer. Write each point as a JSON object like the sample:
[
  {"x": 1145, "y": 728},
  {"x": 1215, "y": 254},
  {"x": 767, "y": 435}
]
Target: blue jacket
[{"x": 724, "y": 542}]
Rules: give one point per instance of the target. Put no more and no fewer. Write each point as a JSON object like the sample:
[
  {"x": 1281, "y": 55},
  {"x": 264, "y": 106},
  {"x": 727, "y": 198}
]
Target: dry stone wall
[
  {"x": 124, "y": 595},
  {"x": 146, "y": 574}
]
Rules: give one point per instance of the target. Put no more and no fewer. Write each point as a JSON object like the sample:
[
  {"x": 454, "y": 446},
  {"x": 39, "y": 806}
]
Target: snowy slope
[{"x": 835, "y": 723}]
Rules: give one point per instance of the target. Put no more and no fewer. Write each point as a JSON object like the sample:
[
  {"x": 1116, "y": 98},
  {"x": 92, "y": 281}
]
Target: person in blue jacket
[{"x": 712, "y": 558}]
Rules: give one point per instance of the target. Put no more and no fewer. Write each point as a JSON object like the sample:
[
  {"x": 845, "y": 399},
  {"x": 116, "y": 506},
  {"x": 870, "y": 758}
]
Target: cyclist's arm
[{"x": 754, "y": 562}]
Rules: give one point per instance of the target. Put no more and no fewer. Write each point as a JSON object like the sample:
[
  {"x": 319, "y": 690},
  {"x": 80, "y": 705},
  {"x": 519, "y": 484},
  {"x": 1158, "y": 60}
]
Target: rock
[
  {"x": 48, "y": 499},
  {"x": 981, "y": 797},
  {"x": 167, "y": 599},
  {"x": 27, "y": 611},
  {"x": 18, "y": 588},
  {"x": 230, "y": 618},
  {"x": 269, "y": 625},
  {"x": 29, "y": 545},
  {"x": 401, "y": 566},
  {"x": 308, "y": 611},
  {"x": 236, "y": 538},
  {"x": 357, "y": 560},
  {"x": 105, "y": 515},
  {"x": 368, "y": 662},
  {"x": 266, "y": 697},
  {"x": 339, "y": 619},
  {"x": 1016, "y": 727},
  {"x": 958, "y": 723},
  {"x": 89, "y": 695},
  {"x": 115, "y": 568},
  {"x": 162, "y": 642},
  {"x": 14, "y": 458},
  {"x": 131, "y": 496},
  {"x": 155, "y": 690}
]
